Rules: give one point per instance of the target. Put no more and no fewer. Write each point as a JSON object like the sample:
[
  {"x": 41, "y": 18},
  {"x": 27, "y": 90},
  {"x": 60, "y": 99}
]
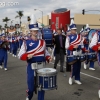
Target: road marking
[
  {"x": 90, "y": 76},
  {"x": 83, "y": 73}
]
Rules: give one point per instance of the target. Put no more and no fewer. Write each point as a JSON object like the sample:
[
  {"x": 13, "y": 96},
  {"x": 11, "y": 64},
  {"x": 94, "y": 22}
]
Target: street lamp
[{"x": 42, "y": 15}]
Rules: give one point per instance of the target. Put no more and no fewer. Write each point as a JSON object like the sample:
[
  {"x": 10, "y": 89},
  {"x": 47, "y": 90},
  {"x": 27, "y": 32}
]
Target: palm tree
[
  {"x": 0, "y": 27},
  {"x": 20, "y": 15},
  {"x": 6, "y": 19}
]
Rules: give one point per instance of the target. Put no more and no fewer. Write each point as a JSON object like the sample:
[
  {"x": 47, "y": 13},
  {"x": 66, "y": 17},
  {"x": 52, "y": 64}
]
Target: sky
[{"x": 47, "y": 6}]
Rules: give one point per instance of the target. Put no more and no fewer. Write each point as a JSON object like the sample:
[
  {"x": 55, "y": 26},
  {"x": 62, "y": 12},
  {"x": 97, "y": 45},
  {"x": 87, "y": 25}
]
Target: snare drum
[
  {"x": 47, "y": 78},
  {"x": 48, "y": 37},
  {"x": 92, "y": 57},
  {"x": 82, "y": 57},
  {"x": 71, "y": 59}
]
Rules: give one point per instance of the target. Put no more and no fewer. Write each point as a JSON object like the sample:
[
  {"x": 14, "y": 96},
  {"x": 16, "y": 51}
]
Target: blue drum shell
[
  {"x": 48, "y": 82},
  {"x": 48, "y": 37},
  {"x": 82, "y": 58},
  {"x": 92, "y": 57},
  {"x": 71, "y": 60}
]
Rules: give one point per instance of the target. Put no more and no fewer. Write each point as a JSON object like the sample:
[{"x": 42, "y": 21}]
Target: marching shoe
[
  {"x": 15, "y": 56},
  {"x": 78, "y": 82},
  {"x": 54, "y": 58},
  {"x": 85, "y": 66},
  {"x": 91, "y": 69},
  {"x": 99, "y": 94},
  {"x": 1, "y": 67},
  {"x": 70, "y": 81},
  {"x": 27, "y": 98},
  {"x": 5, "y": 69}
]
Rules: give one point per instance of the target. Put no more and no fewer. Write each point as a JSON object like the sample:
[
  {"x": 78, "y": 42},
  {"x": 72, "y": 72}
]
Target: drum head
[{"x": 47, "y": 71}]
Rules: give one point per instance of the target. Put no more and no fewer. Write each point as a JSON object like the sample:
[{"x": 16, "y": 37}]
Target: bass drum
[{"x": 47, "y": 35}]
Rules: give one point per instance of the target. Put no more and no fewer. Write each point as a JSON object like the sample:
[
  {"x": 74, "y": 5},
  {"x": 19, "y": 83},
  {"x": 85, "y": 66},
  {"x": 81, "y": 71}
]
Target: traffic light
[
  {"x": 28, "y": 18},
  {"x": 83, "y": 11}
]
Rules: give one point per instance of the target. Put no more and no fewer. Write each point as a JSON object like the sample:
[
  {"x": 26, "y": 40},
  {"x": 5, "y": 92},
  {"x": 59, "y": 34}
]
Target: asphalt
[{"x": 13, "y": 83}]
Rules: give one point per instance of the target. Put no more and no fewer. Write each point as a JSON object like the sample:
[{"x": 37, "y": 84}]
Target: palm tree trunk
[
  {"x": 20, "y": 23},
  {"x": 7, "y": 27}
]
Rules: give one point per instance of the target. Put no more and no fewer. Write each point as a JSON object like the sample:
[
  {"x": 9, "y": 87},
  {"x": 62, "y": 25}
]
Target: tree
[
  {"x": 20, "y": 15},
  {"x": 6, "y": 19},
  {"x": 0, "y": 28}
]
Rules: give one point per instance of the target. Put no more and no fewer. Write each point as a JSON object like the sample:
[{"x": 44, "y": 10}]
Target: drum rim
[
  {"x": 54, "y": 71},
  {"x": 47, "y": 74}
]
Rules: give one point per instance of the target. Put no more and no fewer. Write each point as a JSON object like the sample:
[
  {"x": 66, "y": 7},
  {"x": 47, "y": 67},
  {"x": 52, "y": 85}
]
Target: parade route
[
  {"x": 84, "y": 74},
  {"x": 13, "y": 84}
]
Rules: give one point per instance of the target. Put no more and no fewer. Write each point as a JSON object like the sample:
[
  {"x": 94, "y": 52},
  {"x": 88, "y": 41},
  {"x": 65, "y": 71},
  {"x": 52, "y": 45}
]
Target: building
[
  {"x": 44, "y": 21},
  {"x": 92, "y": 19}
]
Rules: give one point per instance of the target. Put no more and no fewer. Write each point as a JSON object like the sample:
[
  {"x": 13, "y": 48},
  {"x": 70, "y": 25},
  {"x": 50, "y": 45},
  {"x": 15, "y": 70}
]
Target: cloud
[{"x": 75, "y": 6}]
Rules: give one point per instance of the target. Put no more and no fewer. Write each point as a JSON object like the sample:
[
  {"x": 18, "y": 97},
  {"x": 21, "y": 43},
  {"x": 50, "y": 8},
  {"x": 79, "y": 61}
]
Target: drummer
[
  {"x": 3, "y": 52},
  {"x": 95, "y": 46},
  {"x": 74, "y": 45},
  {"x": 33, "y": 51},
  {"x": 86, "y": 45},
  {"x": 68, "y": 67},
  {"x": 84, "y": 34}
]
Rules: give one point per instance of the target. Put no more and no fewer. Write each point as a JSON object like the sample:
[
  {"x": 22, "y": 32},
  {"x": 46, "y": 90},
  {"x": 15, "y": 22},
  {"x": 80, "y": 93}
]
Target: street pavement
[{"x": 13, "y": 83}]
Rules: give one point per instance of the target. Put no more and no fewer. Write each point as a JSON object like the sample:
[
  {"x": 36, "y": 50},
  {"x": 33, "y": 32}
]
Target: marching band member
[
  {"x": 20, "y": 40},
  {"x": 68, "y": 67},
  {"x": 68, "y": 31},
  {"x": 4, "y": 46},
  {"x": 34, "y": 52},
  {"x": 86, "y": 45},
  {"x": 8, "y": 40},
  {"x": 10, "y": 43},
  {"x": 17, "y": 41},
  {"x": 85, "y": 41},
  {"x": 95, "y": 46},
  {"x": 14, "y": 45},
  {"x": 74, "y": 46}
]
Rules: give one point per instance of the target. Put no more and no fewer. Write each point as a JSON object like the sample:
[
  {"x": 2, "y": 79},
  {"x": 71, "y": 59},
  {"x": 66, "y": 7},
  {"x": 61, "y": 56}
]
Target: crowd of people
[{"x": 33, "y": 50}]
